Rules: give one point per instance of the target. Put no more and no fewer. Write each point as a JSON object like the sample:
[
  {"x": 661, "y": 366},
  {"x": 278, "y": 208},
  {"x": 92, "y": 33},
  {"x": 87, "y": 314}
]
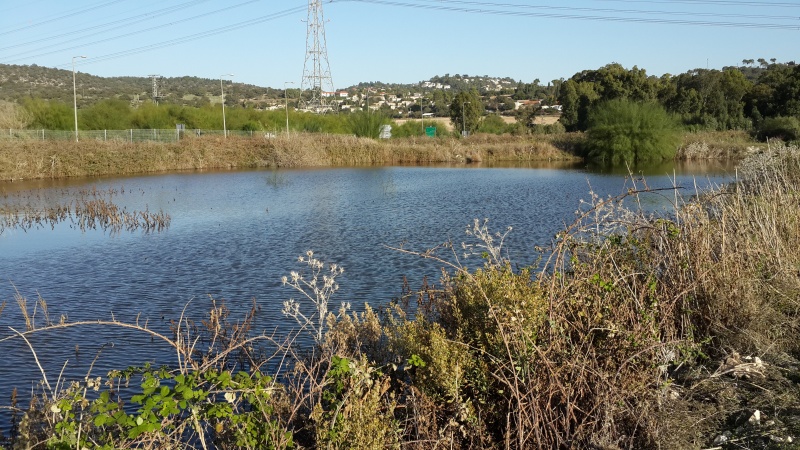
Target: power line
[
  {"x": 131, "y": 20},
  {"x": 621, "y": 11},
  {"x": 65, "y": 16},
  {"x": 713, "y": 2},
  {"x": 26, "y": 55},
  {"x": 485, "y": 8},
  {"x": 192, "y": 37}
]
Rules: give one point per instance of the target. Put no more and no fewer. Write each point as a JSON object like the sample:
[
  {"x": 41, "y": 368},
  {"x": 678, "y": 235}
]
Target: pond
[{"x": 233, "y": 235}]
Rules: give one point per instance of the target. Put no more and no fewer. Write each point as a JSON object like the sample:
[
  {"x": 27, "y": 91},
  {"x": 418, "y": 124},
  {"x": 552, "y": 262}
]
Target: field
[{"x": 443, "y": 122}]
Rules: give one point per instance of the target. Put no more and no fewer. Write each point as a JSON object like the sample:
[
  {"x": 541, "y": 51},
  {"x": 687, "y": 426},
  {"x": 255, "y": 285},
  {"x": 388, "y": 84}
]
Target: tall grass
[
  {"x": 718, "y": 144},
  {"x": 44, "y": 159}
]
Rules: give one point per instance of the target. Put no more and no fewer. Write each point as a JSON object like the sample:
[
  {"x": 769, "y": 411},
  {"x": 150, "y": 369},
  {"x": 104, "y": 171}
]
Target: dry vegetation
[
  {"x": 634, "y": 332},
  {"x": 717, "y": 145},
  {"x": 12, "y": 116},
  {"x": 36, "y": 159},
  {"x": 32, "y": 159},
  {"x": 90, "y": 209}
]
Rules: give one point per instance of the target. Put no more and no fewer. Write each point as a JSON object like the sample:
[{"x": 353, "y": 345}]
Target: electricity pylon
[
  {"x": 156, "y": 94},
  {"x": 316, "y": 70}
]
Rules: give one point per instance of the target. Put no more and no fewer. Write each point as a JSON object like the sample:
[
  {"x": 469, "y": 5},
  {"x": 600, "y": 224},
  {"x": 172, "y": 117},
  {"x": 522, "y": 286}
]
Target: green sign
[{"x": 430, "y": 131}]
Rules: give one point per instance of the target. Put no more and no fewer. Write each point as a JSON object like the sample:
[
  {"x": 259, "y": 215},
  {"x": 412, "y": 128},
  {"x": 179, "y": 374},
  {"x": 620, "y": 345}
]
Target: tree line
[{"x": 765, "y": 101}]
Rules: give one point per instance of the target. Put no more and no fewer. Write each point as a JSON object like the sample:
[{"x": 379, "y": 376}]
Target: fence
[{"x": 123, "y": 135}]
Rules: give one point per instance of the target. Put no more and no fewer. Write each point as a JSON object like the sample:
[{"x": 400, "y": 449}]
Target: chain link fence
[{"x": 123, "y": 135}]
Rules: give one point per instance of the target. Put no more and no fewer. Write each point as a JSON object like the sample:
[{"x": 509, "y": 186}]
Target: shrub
[
  {"x": 366, "y": 124},
  {"x": 407, "y": 129},
  {"x": 493, "y": 124},
  {"x": 622, "y": 131},
  {"x": 354, "y": 411},
  {"x": 784, "y": 128},
  {"x": 48, "y": 115},
  {"x": 12, "y": 116}
]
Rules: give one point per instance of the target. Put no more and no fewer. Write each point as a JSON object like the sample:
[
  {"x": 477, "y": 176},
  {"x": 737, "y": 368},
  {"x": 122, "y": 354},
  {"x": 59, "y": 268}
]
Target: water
[{"x": 234, "y": 234}]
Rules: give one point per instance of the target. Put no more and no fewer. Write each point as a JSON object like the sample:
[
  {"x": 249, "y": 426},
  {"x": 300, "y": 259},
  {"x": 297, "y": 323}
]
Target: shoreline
[{"x": 35, "y": 160}]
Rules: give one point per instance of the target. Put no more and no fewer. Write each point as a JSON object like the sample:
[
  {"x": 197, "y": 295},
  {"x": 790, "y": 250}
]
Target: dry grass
[
  {"x": 34, "y": 159},
  {"x": 48, "y": 159},
  {"x": 629, "y": 336},
  {"x": 717, "y": 145},
  {"x": 12, "y": 116},
  {"x": 90, "y": 209},
  {"x": 669, "y": 304}
]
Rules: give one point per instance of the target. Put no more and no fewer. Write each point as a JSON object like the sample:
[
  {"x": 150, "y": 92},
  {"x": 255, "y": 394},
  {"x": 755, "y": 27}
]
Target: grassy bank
[
  {"x": 51, "y": 159},
  {"x": 635, "y": 332},
  {"x": 718, "y": 145},
  {"x": 34, "y": 159}
]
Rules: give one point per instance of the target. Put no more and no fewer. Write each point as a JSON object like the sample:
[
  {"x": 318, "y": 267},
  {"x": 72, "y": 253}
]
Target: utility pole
[
  {"x": 222, "y": 90},
  {"x": 75, "y": 95},
  {"x": 464, "y": 119},
  {"x": 286, "y": 99},
  {"x": 155, "y": 87}
]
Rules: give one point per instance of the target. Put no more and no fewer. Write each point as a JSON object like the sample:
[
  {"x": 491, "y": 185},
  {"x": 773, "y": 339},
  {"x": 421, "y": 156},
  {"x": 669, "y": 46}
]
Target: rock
[
  {"x": 722, "y": 438},
  {"x": 755, "y": 419}
]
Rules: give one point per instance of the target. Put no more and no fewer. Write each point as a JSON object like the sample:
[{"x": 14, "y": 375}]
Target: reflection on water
[{"x": 235, "y": 234}]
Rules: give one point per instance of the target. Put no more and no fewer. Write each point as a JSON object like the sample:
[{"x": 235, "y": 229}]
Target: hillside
[{"x": 18, "y": 82}]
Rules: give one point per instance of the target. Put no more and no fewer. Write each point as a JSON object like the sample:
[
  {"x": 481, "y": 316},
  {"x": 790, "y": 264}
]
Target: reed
[
  {"x": 37, "y": 159},
  {"x": 89, "y": 210},
  {"x": 32, "y": 159},
  {"x": 731, "y": 144}
]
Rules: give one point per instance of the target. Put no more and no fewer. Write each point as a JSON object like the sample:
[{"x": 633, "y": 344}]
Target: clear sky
[{"x": 263, "y": 42}]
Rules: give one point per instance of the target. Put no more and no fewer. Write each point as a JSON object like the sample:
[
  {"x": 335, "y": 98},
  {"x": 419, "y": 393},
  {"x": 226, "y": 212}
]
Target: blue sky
[{"x": 263, "y": 42}]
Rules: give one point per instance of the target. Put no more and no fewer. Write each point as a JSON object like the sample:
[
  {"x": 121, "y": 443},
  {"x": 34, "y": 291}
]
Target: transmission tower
[
  {"x": 156, "y": 96},
  {"x": 316, "y": 70}
]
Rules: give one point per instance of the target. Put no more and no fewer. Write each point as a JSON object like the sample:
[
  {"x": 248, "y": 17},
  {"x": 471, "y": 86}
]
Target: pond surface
[{"x": 233, "y": 236}]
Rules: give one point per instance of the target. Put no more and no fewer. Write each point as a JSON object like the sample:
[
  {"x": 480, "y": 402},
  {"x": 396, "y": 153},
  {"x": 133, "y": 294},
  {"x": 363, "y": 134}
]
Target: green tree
[
  {"x": 150, "y": 116},
  {"x": 777, "y": 93},
  {"x": 783, "y": 128},
  {"x": 49, "y": 115},
  {"x": 493, "y": 124},
  {"x": 709, "y": 99},
  {"x": 466, "y": 111},
  {"x": 578, "y": 94},
  {"x": 441, "y": 103},
  {"x": 625, "y": 131},
  {"x": 110, "y": 114},
  {"x": 507, "y": 104},
  {"x": 407, "y": 129}
]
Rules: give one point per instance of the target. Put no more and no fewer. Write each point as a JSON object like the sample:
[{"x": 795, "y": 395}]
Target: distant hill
[{"x": 18, "y": 82}]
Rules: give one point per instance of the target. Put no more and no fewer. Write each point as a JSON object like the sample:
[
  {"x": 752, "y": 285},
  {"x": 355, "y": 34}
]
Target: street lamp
[
  {"x": 286, "y": 99},
  {"x": 224, "y": 126},
  {"x": 422, "y": 115},
  {"x": 75, "y": 95},
  {"x": 463, "y": 119}
]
